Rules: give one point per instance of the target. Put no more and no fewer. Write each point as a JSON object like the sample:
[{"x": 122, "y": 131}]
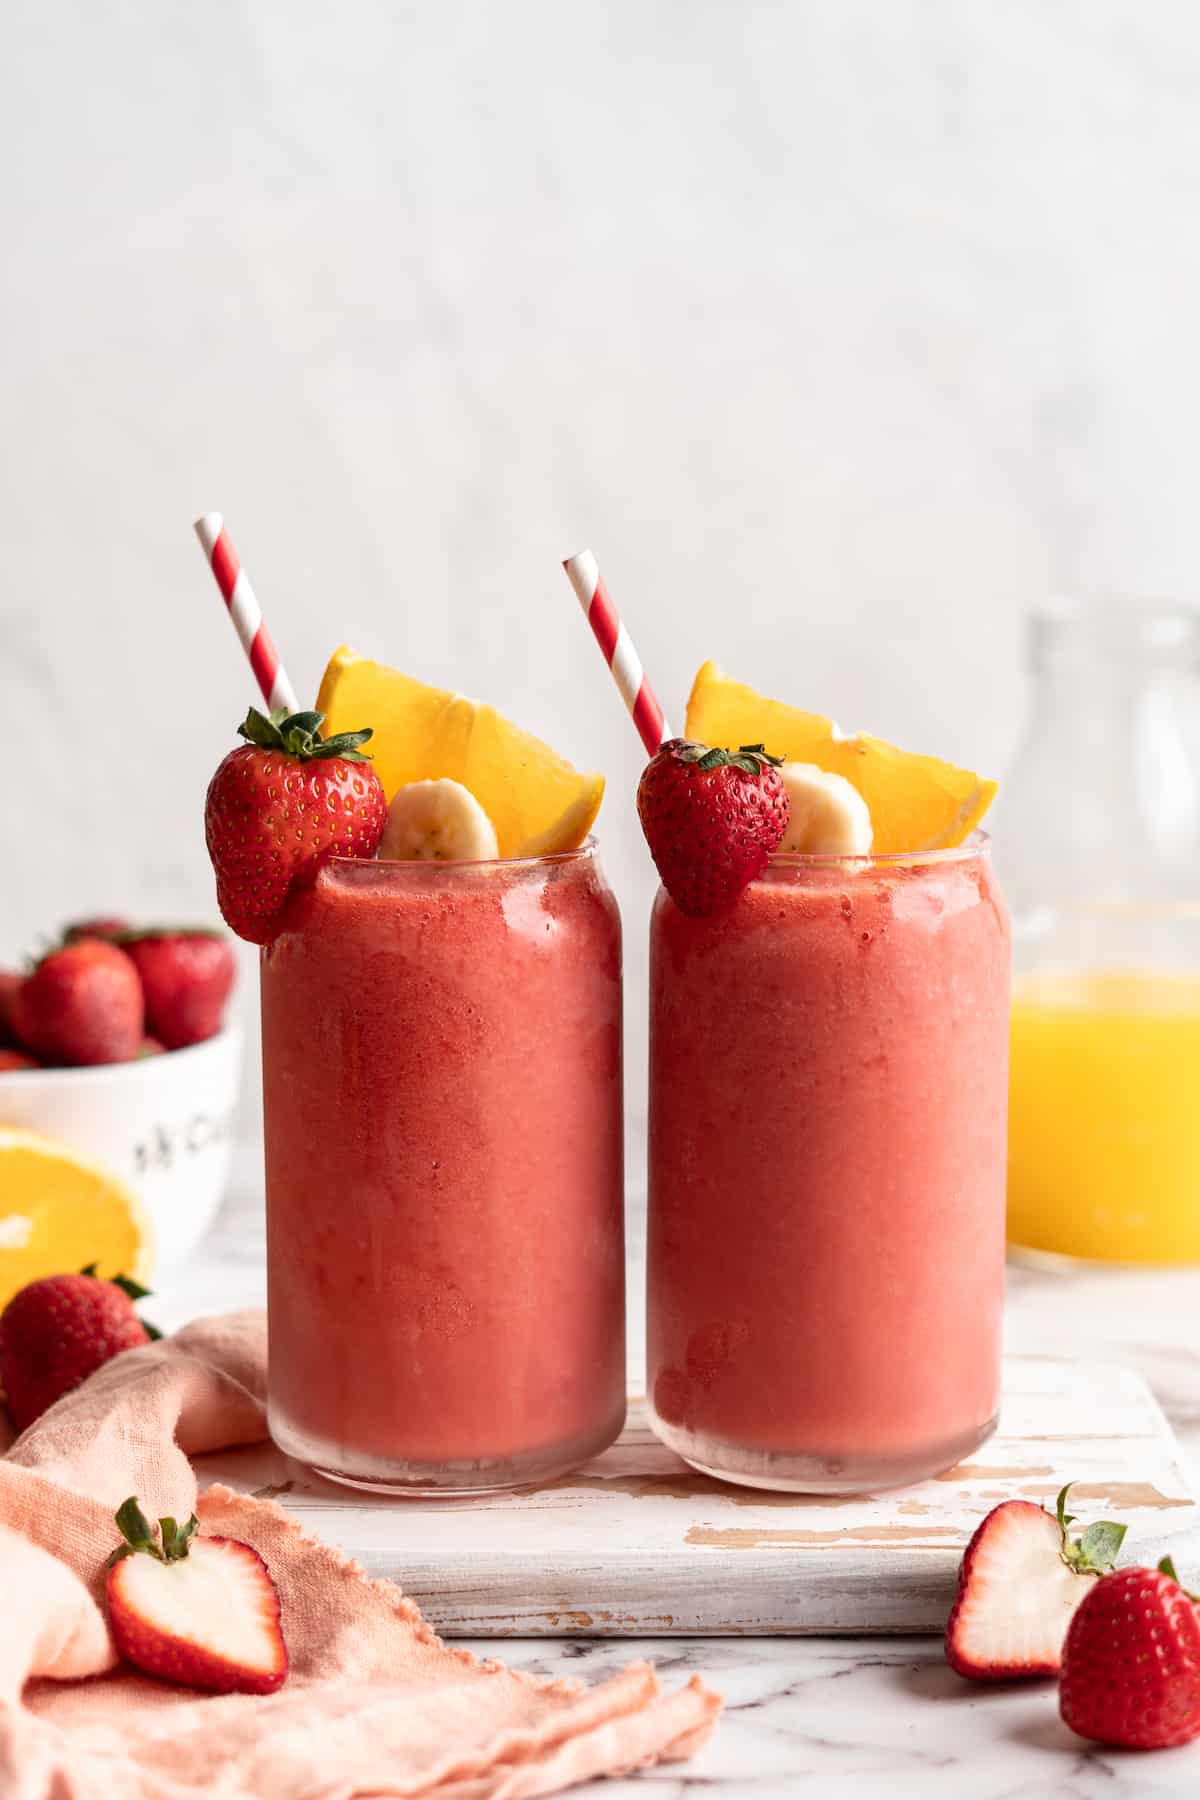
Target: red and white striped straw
[
  {"x": 246, "y": 614},
  {"x": 617, "y": 648}
]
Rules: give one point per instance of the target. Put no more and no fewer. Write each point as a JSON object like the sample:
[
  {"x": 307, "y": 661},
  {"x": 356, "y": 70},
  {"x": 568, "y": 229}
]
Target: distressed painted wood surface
[{"x": 635, "y": 1543}]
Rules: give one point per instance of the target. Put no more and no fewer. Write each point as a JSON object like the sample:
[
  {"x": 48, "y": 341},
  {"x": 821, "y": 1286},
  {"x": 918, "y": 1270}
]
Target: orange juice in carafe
[
  {"x": 1098, "y": 840},
  {"x": 1104, "y": 1120}
]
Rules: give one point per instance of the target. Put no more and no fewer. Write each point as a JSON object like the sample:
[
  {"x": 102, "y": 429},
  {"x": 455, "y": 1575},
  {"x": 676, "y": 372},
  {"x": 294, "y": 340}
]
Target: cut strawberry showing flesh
[
  {"x": 202, "y": 1611},
  {"x": 1021, "y": 1579}
]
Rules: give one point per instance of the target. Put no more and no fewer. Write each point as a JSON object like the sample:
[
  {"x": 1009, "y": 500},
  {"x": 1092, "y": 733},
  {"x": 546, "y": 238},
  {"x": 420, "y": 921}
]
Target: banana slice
[
  {"x": 437, "y": 821},
  {"x": 828, "y": 816}
]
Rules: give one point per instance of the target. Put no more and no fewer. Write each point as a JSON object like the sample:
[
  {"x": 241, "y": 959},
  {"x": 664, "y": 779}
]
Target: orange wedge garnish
[
  {"x": 537, "y": 802},
  {"x": 916, "y": 802}
]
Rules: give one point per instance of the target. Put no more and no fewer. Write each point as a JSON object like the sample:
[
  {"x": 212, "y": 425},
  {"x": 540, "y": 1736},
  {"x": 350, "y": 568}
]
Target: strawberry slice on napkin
[{"x": 202, "y": 1611}]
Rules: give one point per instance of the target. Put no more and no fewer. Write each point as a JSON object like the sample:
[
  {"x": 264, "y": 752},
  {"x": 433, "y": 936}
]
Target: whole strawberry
[
  {"x": 56, "y": 1332},
  {"x": 712, "y": 819},
  {"x": 81, "y": 1005},
  {"x": 186, "y": 979},
  {"x": 1131, "y": 1662},
  {"x": 278, "y": 807},
  {"x": 109, "y": 928},
  {"x": 10, "y": 981}
]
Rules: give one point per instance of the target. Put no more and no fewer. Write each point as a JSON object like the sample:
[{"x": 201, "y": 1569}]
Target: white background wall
[{"x": 843, "y": 330}]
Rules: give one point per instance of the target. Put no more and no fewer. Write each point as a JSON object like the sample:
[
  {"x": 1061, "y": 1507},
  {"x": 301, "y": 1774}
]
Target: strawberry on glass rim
[
  {"x": 712, "y": 819},
  {"x": 279, "y": 806}
]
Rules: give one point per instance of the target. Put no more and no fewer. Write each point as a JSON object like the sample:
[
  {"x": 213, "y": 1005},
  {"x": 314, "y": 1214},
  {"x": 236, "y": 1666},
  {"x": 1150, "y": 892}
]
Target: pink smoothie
[
  {"x": 828, "y": 1069},
  {"x": 442, "y": 1097}
]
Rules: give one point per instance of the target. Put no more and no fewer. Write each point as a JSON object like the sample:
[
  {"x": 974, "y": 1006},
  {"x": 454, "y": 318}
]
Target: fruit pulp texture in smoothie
[
  {"x": 828, "y": 1083},
  {"x": 442, "y": 1096},
  {"x": 1104, "y": 1129}
]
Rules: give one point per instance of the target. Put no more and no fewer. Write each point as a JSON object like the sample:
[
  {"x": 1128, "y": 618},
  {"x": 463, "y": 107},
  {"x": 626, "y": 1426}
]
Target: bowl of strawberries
[{"x": 116, "y": 1043}]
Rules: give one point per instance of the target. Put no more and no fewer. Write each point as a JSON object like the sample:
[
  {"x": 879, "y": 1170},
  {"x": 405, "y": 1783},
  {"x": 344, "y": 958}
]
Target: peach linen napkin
[{"x": 375, "y": 1703}]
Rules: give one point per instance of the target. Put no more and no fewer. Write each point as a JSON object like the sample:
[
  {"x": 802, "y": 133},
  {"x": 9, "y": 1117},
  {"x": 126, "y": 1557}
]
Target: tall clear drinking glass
[
  {"x": 442, "y": 1099},
  {"x": 828, "y": 1067}
]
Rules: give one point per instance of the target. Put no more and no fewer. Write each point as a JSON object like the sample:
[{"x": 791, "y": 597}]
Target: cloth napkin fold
[{"x": 375, "y": 1703}]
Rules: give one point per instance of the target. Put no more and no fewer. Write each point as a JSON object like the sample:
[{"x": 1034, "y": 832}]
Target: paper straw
[
  {"x": 616, "y": 646},
  {"x": 246, "y": 614}
]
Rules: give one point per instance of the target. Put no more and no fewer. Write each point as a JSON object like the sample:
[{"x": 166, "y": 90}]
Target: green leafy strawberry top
[
  {"x": 1094, "y": 1551},
  {"x": 750, "y": 758},
  {"x": 299, "y": 735},
  {"x": 169, "y": 1544}
]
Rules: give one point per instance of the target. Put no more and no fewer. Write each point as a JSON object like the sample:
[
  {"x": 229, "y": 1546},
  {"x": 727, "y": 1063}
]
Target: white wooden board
[{"x": 635, "y": 1543}]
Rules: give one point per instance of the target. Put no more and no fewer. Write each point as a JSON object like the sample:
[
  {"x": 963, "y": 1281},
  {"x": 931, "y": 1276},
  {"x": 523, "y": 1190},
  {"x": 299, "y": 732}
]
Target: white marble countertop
[{"x": 858, "y": 1717}]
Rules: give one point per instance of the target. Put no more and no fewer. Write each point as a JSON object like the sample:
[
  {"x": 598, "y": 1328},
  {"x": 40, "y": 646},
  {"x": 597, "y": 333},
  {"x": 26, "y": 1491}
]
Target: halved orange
[{"x": 61, "y": 1212}]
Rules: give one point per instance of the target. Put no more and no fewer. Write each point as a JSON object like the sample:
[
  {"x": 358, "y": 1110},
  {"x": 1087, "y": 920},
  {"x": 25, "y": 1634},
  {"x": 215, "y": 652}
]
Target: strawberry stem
[
  {"x": 176, "y": 1538},
  {"x": 144, "y": 1538},
  {"x": 751, "y": 759},
  {"x": 299, "y": 735},
  {"x": 1094, "y": 1551}
]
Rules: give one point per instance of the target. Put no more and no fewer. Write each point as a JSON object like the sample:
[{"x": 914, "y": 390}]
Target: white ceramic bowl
[{"x": 164, "y": 1123}]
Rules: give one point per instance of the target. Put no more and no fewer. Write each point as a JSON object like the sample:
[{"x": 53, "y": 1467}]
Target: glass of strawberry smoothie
[
  {"x": 828, "y": 1081},
  {"x": 442, "y": 1098}
]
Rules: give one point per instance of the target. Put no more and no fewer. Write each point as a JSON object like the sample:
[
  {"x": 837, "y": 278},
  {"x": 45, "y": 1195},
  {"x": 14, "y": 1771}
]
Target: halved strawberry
[
  {"x": 202, "y": 1611},
  {"x": 1021, "y": 1578}
]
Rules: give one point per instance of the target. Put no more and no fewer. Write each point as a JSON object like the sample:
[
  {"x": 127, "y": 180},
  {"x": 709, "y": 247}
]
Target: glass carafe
[{"x": 1098, "y": 841}]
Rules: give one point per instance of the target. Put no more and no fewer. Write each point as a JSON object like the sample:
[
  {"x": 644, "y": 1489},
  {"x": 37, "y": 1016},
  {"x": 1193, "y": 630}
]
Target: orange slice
[
  {"x": 537, "y": 802},
  {"x": 916, "y": 802},
  {"x": 60, "y": 1212}
]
